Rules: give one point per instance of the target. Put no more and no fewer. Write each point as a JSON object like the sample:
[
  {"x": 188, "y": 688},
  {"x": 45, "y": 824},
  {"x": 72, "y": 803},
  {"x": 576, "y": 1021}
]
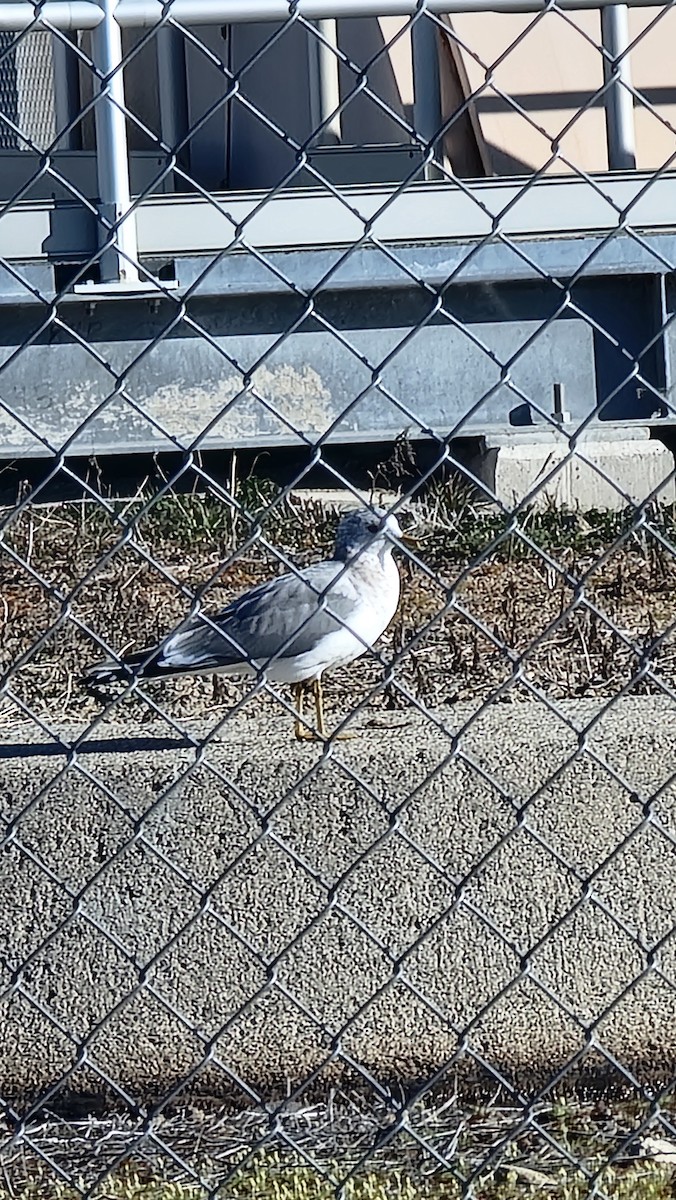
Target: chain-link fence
[{"x": 348, "y": 867}]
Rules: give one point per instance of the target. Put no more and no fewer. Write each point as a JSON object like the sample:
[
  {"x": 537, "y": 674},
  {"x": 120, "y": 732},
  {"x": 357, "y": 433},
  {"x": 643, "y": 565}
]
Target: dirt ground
[{"x": 564, "y": 606}]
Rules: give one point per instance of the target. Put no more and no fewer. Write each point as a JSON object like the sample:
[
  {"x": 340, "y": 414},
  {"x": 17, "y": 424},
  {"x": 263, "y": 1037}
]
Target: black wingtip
[
  {"x": 140, "y": 665},
  {"x": 99, "y": 675}
]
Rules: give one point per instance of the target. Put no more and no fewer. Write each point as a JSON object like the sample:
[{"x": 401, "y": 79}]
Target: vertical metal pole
[
  {"x": 620, "y": 130},
  {"x": 427, "y": 116},
  {"x": 66, "y": 72},
  {"x": 118, "y": 263},
  {"x": 665, "y": 317},
  {"x": 329, "y": 82},
  {"x": 325, "y": 83},
  {"x": 173, "y": 94}
]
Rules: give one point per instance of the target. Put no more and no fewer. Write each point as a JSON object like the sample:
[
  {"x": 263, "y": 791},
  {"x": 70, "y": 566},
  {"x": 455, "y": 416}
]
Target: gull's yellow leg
[
  {"x": 300, "y": 729},
  {"x": 318, "y": 689},
  {"x": 319, "y": 707},
  {"x": 298, "y": 693}
]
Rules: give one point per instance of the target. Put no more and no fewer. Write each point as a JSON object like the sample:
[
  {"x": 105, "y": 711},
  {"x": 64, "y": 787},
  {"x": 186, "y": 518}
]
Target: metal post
[
  {"x": 173, "y": 95},
  {"x": 118, "y": 263},
  {"x": 427, "y": 115},
  {"x": 66, "y": 70},
  {"x": 325, "y": 83},
  {"x": 329, "y": 82},
  {"x": 620, "y": 131}
]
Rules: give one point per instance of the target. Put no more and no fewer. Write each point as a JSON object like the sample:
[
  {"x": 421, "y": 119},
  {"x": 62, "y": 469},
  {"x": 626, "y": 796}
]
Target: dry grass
[
  {"x": 487, "y": 1152},
  {"x": 569, "y": 604}
]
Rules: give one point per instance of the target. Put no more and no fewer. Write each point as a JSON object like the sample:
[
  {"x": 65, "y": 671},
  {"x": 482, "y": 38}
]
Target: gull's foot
[
  {"x": 303, "y": 734},
  {"x": 375, "y": 723}
]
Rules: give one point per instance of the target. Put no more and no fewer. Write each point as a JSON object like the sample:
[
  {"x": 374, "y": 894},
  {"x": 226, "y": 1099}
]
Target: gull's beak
[{"x": 407, "y": 540}]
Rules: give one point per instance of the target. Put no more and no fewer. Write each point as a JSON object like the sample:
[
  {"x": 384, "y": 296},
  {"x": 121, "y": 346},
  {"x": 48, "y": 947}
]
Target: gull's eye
[{"x": 373, "y": 526}]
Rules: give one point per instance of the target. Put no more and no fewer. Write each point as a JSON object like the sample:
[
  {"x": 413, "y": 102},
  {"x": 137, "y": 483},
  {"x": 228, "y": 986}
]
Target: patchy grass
[
  {"x": 273, "y": 1181},
  {"x": 570, "y": 604}
]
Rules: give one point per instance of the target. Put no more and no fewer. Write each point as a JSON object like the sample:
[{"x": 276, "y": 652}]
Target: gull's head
[{"x": 366, "y": 531}]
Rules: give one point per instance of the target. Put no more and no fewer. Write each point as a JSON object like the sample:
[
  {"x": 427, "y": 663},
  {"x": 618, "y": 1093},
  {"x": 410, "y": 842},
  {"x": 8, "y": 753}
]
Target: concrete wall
[{"x": 277, "y": 909}]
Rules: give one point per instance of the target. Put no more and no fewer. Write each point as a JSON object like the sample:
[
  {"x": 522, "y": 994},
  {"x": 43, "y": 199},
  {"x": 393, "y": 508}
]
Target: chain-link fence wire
[{"x": 513, "y": 602}]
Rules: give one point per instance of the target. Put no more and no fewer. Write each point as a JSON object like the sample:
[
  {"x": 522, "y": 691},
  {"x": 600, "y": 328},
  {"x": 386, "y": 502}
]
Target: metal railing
[{"x": 107, "y": 19}]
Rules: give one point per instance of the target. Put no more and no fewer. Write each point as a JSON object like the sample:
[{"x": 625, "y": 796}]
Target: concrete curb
[
  {"x": 608, "y": 469},
  {"x": 385, "y": 908}
]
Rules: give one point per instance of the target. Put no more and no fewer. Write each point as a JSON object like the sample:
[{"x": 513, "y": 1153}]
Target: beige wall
[
  {"x": 400, "y": 54},
  {"x": 652, "y": 64},
  {"x": 536, "y": 58},
  {"x": 531, "y": 57},
  {"x": 162, "y": 987}
]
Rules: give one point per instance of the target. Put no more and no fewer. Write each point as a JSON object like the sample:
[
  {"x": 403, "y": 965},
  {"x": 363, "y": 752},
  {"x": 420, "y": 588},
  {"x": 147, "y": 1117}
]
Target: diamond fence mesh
[{"x": 436, "y": 957}]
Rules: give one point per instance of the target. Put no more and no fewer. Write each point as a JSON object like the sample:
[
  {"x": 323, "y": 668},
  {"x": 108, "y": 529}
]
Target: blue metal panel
[
  {"x": 310, "y": 379},
  {"x": 468, "y": 262},
  {"x": 600, "y": 340}
]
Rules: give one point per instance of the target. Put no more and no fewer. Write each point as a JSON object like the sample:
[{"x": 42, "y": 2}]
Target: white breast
[{"x": 377, "y": 586}]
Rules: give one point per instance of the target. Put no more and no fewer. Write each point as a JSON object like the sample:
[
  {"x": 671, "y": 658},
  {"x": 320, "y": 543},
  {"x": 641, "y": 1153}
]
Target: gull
[{"x": 293, "y": 628}]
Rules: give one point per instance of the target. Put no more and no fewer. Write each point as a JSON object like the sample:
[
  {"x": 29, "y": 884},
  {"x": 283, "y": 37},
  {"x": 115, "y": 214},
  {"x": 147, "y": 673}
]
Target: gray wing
[{"x": 259, "y": 624}]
